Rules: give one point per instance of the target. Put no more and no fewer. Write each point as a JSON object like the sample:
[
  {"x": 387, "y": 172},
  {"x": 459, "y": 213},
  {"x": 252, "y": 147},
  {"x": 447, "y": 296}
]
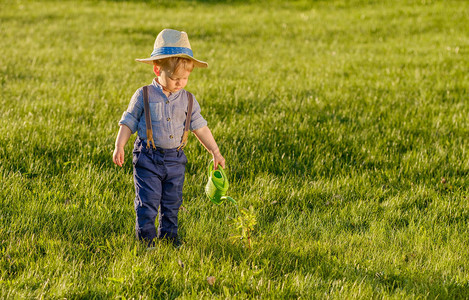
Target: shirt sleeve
[
  {"x": 197, "y": 121},
  {"x": 131, "y": 116}
]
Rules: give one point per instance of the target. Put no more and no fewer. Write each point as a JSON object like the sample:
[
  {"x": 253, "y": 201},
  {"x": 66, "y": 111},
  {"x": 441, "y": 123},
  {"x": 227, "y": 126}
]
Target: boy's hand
[
  {"x": 121, "y": 140},
  {"x": 118, "y": 156},
  {"x": 218, "y": 160}
]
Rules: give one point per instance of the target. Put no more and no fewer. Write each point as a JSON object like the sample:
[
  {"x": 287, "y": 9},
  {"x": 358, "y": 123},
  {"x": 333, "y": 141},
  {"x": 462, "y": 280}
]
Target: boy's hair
[{"x": 174, "y": 64}]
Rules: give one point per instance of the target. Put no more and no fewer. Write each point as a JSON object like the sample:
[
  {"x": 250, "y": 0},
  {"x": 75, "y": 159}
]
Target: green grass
[{"x": 343, "y": 123}]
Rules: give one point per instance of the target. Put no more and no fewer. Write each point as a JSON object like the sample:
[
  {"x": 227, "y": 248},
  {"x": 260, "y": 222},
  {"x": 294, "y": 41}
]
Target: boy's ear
[{"x": 156, "y": 70}]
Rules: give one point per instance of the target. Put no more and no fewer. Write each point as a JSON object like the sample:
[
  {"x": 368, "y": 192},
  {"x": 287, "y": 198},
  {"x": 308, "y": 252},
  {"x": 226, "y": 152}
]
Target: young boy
[{"x": 159, "y": 171}]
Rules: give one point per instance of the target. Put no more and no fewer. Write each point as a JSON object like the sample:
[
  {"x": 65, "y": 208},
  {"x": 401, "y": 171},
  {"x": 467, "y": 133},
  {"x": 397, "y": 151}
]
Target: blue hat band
[{"x": 172, "y": 50}]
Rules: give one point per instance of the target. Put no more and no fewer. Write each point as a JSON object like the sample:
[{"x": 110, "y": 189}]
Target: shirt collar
[
  {"x": 160, "y": 88},
  {"x": 157, "y": 84}
]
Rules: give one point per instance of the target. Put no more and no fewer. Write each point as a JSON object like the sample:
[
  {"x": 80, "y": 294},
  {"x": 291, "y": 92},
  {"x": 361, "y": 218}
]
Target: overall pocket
[{"x": 135, "y": 157}]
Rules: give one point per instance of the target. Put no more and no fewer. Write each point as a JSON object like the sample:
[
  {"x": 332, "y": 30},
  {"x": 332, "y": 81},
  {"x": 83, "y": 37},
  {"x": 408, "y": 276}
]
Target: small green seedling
[{"x": 243, "y": 226}]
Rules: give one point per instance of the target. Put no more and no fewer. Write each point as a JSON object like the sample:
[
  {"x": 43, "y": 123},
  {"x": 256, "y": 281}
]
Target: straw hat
[{"x": 172, "y": 43}]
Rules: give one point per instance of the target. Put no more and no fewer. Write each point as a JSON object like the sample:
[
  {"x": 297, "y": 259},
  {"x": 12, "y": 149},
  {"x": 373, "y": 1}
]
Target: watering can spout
[{"x": 230, "y": 199}]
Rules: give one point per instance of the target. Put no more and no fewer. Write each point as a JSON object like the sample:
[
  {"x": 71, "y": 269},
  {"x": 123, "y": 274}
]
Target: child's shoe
[{"x": 177, "y": 243}]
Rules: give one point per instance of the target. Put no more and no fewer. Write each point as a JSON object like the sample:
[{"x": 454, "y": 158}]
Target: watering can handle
[{"x": 210, "y": 168}]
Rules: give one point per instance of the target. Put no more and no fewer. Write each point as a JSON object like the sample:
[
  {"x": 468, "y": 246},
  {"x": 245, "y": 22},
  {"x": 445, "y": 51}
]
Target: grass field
[{"x": 344, "y": 125}]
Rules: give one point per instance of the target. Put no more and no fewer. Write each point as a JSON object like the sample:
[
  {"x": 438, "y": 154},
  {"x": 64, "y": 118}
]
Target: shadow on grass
[
  {"x": 432, "y": 288},
  {"x": 280, "y": 260}
]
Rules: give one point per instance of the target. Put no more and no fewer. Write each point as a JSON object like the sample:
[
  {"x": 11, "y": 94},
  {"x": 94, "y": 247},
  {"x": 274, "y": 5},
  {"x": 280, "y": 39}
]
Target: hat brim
[{"x": 197, "y": 63}]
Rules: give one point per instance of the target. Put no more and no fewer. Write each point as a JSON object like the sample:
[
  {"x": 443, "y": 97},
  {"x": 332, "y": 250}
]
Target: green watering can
[{"x": 217, "y": 185}]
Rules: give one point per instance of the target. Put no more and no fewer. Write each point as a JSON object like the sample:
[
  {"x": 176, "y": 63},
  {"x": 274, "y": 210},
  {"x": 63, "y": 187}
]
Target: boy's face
[{"x": 173, "y": 82}]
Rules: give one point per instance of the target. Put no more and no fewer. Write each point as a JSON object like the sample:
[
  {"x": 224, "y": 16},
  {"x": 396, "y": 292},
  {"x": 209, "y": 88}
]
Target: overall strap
[
  {"x": 188, "y": 122},
  {"x": 146, "y": 107}
]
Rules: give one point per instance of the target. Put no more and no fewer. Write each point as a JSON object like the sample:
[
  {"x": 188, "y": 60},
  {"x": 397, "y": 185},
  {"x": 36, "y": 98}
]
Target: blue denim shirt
[{"x": 168, "y": 115}]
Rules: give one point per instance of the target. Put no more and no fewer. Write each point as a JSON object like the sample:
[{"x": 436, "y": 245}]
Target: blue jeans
[{"x": 158, "y": 178}]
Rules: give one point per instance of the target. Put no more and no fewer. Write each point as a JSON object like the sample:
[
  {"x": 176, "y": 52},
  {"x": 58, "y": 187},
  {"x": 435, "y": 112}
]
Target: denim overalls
[{"x": 158, "y": 178}]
